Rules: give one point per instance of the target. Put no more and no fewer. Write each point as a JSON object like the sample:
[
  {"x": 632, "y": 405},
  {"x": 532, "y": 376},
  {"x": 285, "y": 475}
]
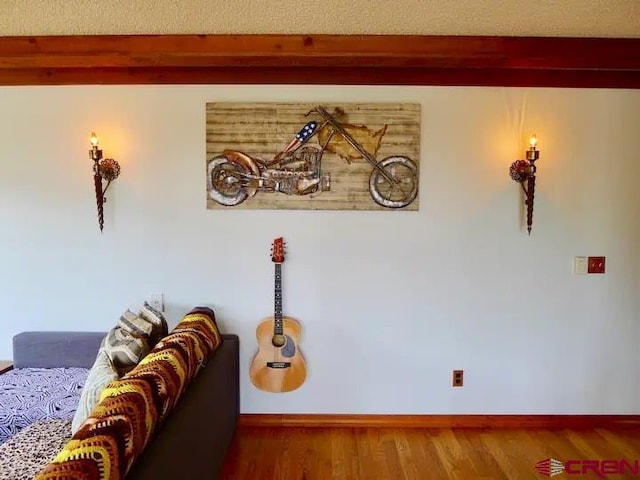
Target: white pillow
[{"x": 102, "y": 372}]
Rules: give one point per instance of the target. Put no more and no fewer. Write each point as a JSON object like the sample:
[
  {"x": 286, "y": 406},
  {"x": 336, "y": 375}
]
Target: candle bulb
[
  {"x": 95, "y": 153},
  {"x": 532, "y": 153}
]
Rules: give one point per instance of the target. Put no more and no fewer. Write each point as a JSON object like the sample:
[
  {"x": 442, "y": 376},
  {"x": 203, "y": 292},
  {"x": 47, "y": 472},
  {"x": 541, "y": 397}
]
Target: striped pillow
[
  {"x": 124, "y": 349},
  {"x": 132, "y": 338},
  {"x": 135, "y": 325},
  {"x": 160, "y": 327},
  {"x": 120, "y": 351}
]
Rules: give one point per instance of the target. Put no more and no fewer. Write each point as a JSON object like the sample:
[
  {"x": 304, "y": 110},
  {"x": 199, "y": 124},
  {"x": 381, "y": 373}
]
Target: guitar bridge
[{"x": 278, "y": 364}]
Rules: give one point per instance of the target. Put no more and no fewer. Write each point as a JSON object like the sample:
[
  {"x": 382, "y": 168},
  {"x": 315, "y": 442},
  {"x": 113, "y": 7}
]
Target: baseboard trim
[{"x": 440, "y": 421}]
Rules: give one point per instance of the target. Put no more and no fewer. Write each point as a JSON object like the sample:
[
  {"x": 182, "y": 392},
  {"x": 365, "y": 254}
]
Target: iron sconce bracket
[
  {"x": 524, "y": 172},
  {"x": 104, "y": 169}
]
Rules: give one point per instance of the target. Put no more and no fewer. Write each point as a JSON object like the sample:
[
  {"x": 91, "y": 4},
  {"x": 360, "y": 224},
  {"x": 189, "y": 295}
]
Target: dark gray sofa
[{"x": 193, "y": 441}]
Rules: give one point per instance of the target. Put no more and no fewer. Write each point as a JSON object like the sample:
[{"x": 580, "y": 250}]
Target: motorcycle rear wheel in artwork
[
  {"x": 226, "y": 181},
  {"x": 403, "y": 187}
]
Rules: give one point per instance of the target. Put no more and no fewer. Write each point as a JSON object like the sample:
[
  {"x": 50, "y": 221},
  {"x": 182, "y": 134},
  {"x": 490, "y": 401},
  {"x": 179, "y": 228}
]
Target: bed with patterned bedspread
[{"x": 28, "y": 395}]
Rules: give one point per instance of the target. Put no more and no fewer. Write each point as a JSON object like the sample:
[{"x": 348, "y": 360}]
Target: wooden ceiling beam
[{"x": 321, "y": 59}]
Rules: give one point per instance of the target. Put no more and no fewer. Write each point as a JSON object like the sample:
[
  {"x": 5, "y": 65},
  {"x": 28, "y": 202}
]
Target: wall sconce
[
  {"x": 103, "y": 169},
  {"x": 524, "y": 172}
]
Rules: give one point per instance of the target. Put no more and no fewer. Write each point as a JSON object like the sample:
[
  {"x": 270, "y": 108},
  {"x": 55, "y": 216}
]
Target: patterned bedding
[{"x": 31, "y": 394}]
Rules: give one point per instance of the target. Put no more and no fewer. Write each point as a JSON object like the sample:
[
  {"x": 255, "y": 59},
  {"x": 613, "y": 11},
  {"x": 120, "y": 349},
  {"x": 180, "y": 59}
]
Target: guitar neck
[{"x": 277, "y": 324}]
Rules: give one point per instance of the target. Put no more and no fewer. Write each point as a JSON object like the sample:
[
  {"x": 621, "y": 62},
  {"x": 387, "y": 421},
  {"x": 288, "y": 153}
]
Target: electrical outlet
[
  {"x": 156, "y": 301},
  {"x": 458, "y": 378}
]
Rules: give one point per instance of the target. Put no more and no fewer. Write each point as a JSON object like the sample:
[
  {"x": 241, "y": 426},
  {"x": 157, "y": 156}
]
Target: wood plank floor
[{"x": 417, "y": 454}]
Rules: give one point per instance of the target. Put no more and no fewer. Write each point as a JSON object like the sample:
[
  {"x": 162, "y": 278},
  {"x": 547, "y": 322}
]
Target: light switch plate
[{"x": 580, "y": 265}]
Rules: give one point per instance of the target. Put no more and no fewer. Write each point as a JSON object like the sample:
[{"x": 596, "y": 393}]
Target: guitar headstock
[{"x": 277, "y": 250}]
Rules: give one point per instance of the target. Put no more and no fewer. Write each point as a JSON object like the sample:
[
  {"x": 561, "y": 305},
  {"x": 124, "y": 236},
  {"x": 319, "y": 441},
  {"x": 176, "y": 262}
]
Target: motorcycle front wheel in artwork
[
  {"x": 234, "y": 176},
  {"x": 394, "y": 182}
]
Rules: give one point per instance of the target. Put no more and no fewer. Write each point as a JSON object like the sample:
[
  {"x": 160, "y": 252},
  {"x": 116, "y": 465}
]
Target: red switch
[{"x": 596, "y": 265}]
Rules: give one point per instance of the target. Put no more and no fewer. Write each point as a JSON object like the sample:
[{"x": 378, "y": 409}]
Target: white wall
[{"x": 390, "y": 302}]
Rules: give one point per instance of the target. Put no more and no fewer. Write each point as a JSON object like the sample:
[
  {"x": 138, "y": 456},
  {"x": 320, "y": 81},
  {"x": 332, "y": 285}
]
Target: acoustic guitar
[{"x": 278, "y": 366}]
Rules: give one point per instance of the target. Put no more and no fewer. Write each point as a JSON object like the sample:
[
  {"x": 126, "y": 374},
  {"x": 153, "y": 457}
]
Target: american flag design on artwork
[{"x": 301, "y": 137}]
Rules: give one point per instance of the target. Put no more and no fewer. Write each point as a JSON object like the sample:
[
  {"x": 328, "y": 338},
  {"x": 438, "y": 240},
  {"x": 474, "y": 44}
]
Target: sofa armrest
[{"x": 193, "y": 441}]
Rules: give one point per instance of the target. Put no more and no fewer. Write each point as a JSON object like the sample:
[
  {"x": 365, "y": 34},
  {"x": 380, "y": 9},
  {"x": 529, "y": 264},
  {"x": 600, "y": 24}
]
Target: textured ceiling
[{"x": 593, "y": 18}]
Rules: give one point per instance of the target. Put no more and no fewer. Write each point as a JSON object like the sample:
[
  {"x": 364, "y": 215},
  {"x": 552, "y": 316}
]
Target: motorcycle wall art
[{"x": 298, "y": 168}]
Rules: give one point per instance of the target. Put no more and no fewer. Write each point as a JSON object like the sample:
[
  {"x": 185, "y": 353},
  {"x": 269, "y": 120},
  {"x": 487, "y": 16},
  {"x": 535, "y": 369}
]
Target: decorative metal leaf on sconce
[
  {"x": 104, "y": 169},
  {"x": 524, "y": 172}
]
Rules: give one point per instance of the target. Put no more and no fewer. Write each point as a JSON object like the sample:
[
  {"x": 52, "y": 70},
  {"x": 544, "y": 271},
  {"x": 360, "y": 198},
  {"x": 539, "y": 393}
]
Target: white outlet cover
[
  {"x": 580, "y": 265},
  {"x": 156, "y": 301}
]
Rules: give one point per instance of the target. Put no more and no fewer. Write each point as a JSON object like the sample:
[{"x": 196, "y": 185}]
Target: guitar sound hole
[{"x": 278, "y": 340}]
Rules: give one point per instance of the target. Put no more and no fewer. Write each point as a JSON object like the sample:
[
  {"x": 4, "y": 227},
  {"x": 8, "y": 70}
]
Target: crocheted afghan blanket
[{"x": 131, "y": 408}]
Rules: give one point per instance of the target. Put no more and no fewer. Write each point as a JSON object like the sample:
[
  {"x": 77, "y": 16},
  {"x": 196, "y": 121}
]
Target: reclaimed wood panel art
[{"x": 346, "y": 156}]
